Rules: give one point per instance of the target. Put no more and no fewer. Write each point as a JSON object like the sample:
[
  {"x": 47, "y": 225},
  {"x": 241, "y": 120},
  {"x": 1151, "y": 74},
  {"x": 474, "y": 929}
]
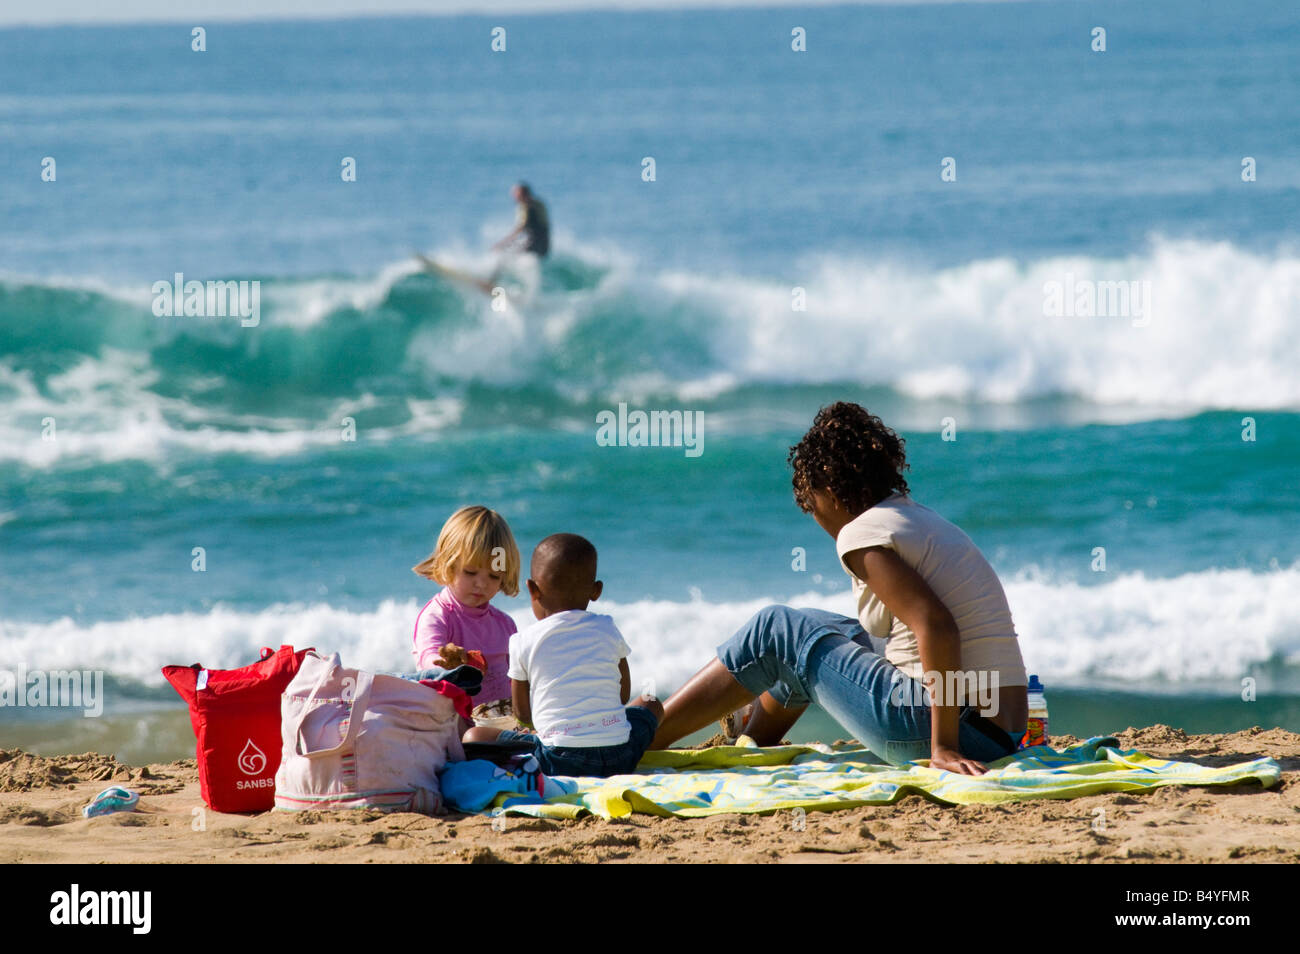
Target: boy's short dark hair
[{"x": 564, "y": 565}]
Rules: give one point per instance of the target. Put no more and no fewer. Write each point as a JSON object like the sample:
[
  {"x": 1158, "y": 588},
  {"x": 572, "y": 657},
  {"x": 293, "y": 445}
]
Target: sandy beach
[{"x": 41, "y": 800}]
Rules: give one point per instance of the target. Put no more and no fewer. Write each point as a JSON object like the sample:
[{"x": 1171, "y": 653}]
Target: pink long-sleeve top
[{"x": 446, "y": 619}]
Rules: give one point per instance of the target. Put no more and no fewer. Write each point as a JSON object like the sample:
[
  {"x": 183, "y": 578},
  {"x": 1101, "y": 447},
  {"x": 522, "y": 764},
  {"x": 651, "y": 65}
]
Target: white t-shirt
[
  {"x": 570, "y": 662},
  {"x": 953, "y": 567}
]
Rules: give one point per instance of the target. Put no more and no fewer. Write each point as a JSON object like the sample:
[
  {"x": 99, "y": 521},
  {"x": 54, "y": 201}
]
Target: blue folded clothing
[
  {"x": 468, "y": 678},
  {"x": 472, "y": 785}
]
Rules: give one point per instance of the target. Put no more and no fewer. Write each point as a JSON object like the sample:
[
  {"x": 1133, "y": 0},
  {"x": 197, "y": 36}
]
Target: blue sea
[{"x": 740, "y": 229}]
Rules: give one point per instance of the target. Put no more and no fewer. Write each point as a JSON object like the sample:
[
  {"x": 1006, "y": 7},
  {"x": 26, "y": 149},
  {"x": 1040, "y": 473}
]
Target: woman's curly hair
[{"x": 851, "y": 453}]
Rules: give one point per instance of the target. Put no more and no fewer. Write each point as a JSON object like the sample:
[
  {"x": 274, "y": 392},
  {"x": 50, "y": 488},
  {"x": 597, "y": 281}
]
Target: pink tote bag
[{"x": 353, "y": 739}]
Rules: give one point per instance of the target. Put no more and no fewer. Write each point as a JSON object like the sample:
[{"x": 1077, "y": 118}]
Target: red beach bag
[{"x": 236, "y": 719}]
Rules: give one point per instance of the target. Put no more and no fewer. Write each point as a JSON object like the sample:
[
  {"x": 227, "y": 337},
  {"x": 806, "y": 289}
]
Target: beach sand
[{"x": 41, "y": 800}]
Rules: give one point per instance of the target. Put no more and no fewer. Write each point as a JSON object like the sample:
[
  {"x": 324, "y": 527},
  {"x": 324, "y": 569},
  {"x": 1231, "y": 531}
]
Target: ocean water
[{"x": 1132, "y": 476}]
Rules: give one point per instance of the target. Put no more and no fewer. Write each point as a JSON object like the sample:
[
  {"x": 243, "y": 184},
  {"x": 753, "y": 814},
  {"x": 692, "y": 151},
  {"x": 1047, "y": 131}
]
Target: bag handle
[
  {"x": 268, "y": 652},
  {"x": 349, "y": 736}
]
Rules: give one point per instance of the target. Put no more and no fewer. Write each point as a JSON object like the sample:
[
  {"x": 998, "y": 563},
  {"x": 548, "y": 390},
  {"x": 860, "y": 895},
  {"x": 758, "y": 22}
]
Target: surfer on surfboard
[{"x": 531, "y": 222}]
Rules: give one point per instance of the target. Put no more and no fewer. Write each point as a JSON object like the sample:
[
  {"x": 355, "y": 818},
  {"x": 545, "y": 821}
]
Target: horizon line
[{"x": 420, "y": 9}]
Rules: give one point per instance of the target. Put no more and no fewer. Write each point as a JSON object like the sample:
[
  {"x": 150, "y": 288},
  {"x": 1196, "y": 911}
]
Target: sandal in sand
[
  {"x": 115, "y": 799},
  {"x": 733, "y": 725}
]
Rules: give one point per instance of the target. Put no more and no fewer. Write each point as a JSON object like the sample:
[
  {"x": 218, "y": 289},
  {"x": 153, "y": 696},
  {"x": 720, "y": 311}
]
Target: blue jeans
[
  {"x": 810, "y": 655},
  {"x": 599, "y": 761}
]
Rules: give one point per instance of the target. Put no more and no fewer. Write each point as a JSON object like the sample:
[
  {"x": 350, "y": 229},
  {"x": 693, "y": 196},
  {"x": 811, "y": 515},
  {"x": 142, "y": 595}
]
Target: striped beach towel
[{"x": 747, "y": 779}]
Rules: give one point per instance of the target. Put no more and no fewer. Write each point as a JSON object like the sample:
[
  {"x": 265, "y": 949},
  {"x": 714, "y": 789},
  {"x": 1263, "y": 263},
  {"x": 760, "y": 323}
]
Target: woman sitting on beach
[{"x": 934, "y": 626}]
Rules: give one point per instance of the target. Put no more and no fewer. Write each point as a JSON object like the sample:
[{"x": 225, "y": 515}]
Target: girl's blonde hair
[{"x": 474, "y": 535}]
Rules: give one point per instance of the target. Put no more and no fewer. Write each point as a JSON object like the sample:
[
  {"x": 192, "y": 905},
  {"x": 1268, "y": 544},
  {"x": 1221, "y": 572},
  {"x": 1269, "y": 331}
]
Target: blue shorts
[{"x": 598, "y": 761}]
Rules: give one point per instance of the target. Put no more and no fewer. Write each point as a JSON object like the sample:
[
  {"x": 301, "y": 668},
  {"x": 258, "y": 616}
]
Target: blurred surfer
[
  {"x": 531, "y": 235},
  {"x": 531, "y": 222}
]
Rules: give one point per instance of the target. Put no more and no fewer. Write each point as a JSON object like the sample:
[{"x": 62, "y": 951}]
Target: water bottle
[{"x": 1036, "y": 732}]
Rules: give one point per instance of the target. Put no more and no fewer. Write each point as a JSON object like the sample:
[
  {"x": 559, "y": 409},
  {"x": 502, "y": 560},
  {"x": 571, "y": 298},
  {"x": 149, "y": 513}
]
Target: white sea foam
[
  {"x": 1207, "y": 628},
  {"x": 104, "y": 409},
  {"x": 1220, "y": 335},
  {"x": 305, "y": 302},
  {"x": 1218, "y": 332}
]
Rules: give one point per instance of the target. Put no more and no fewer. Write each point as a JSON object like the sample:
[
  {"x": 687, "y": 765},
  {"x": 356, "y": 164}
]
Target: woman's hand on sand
[{"x": 950, "y": 760}]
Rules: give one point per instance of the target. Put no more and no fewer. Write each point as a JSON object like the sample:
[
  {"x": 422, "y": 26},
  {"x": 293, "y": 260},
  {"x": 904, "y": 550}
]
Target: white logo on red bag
[{"x": 251, "y": 760}]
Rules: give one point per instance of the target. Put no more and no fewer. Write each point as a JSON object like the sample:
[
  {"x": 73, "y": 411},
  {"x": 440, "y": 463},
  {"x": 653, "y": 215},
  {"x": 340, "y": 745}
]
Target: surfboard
[
  {"x": 504, "y": 305},
  {"x": 455, "y": 274}
]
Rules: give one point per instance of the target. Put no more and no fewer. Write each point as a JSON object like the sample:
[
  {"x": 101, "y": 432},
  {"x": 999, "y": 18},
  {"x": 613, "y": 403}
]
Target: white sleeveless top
[{"x": 954, "y": 569}]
